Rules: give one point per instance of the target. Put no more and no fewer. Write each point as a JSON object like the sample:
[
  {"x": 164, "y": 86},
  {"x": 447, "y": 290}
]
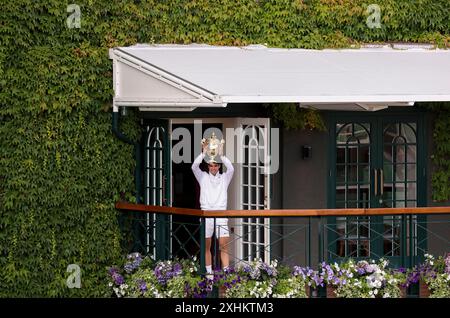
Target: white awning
[{"x": 183, "y": 77}]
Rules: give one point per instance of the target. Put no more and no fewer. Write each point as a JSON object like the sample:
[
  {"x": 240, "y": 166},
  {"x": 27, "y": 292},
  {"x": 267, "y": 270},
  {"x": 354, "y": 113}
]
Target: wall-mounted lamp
[{"x": 306, "y": 152}]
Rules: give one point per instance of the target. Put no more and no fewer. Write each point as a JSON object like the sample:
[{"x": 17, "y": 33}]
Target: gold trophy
[{"x": 212, "y": 149}]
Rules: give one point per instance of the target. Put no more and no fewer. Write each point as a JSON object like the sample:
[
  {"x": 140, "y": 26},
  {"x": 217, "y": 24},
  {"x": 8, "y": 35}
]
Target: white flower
[
  {"x": 362, "y": 263},
  {"x": 392, "y": 281},
  {"x": 369, "y": 268}
]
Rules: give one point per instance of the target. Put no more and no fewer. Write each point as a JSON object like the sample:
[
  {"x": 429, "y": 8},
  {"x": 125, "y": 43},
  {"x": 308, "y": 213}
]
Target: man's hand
[
  {"x": 204, "y": 147},
  {"x": 221, "y": 149}
]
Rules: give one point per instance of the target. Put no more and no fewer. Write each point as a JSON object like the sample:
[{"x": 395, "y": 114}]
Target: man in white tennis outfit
[{"x": 213, "y": 196}]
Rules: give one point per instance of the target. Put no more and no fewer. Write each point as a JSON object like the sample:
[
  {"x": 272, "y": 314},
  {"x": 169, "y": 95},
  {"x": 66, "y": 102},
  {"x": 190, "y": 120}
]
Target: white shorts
[{"x": 221, "y": 227}]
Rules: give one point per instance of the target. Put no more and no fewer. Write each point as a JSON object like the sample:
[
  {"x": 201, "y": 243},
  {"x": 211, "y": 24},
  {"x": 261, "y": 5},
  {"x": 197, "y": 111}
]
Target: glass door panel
[
  {"x": 353, "y": 166},
  {"x": 398, "y": 183}
]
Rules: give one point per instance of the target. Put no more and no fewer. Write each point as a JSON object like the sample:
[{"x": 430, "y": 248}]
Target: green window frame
[{"x": 368, "y": 168}]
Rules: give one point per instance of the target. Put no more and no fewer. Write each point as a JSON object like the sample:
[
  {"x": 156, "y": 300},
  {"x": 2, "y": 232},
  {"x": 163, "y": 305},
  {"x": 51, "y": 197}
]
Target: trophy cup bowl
[{"x": 212, "y": 146}]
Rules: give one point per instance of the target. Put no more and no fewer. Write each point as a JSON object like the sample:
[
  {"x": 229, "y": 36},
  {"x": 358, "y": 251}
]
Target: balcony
[{"x": 292, "y": 237}]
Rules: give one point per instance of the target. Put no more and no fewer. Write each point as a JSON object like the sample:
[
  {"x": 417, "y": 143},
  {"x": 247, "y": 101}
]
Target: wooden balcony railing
[{"x": 281, "y": 212}]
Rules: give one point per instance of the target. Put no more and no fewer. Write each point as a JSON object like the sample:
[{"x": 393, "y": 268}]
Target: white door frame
[
  {"x": 252, "y": 239},
  {"x": 235, "y": 189}
]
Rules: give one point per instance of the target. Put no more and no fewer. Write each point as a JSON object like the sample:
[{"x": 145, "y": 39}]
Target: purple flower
[
  {"x": 118, "y": 279},
  {"x": 165, "y": 271},
  {"x": 335, "y": 281},
  {"x": 202, "y": 284},
  {"x": 142, "y": 286},
  {"x": 246, "y": 269},
  {"x": 134, "y": 263},
  {"x": 177, "y": 268},
  {"x": 115, "y": 275},
  {"x": 413, "y": 276},
  {"x": 229, "y": 270},
  {"x": 369, "y": 269},
  {"x": 447, "y": 263},
  {"x": 296, "y": 270},
  {"x": 112, "y": 270},
  {"x": 199, "y": 291},
  {"x": 318, "y": 280}
]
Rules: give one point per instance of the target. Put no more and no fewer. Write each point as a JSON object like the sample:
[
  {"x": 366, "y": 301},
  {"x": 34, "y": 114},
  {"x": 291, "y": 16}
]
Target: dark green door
[
  {"x": 376, "y": 161},
  {"x": 157, "y": 187}
]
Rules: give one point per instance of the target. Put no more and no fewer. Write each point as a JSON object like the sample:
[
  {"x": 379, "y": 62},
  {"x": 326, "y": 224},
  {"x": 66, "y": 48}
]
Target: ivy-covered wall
[
  {"x": 440, "y": 155},
  {"x": 61, "y": 168}
]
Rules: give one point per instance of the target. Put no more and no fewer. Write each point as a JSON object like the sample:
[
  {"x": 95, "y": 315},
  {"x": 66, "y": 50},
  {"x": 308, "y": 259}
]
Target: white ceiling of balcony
[{"x": 184, "y": 77}]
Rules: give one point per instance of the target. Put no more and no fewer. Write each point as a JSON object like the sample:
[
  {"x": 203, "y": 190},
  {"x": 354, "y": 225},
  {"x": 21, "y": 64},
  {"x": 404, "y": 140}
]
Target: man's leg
[
  {"x": 208, "y": 251},
  {"x": 224, "y": 240},
  {"x": 209, "y": 229},
  {"x": 224, "y": 255}
]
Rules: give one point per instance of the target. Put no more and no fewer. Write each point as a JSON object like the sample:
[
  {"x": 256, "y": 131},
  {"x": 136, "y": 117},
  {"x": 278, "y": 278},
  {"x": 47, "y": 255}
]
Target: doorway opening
[{"x": 186, "y": 194}]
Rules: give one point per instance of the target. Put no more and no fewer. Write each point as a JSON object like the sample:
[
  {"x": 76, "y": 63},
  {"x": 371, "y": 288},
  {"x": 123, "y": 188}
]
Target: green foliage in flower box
[{"x": 436, "y": 274}]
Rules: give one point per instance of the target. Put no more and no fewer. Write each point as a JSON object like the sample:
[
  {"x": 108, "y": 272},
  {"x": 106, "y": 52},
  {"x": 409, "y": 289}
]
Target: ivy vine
[
  {"x": 291, "y": 116},
  {"x": 441, "y": 150}
]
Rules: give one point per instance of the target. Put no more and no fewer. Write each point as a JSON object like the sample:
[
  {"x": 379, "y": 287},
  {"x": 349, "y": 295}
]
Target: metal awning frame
[
  {"x": 196, "y": 96},
  {"x": 204, "y": 98}
]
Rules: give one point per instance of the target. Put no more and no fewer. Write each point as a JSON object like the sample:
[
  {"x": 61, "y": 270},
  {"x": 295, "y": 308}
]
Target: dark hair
[{"x": 204, "y": 166}]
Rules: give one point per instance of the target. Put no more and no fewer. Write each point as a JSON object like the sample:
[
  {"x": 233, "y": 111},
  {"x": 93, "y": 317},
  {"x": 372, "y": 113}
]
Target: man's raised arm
[
  {"x": 230, "y": 168},
  {"x": 196, "y": 167}
]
